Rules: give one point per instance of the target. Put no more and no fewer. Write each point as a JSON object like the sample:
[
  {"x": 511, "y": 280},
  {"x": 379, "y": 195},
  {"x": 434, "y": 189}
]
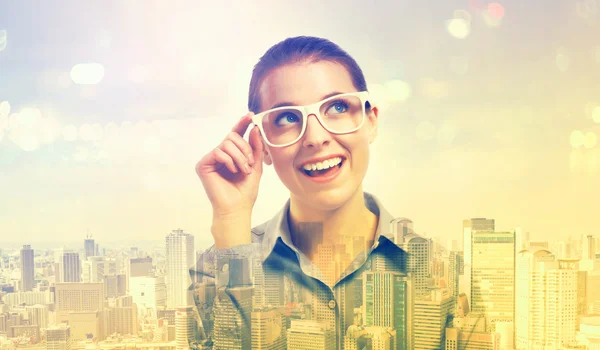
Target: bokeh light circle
[
  {"x": 496, "y": 10},
  {"x": 458, "y": 28},
  {"x": 590, "y": 139},
  {"x": 3, "y": 39},
  {"x": 4, "y": 109},
  {"x": 596, "y": 114},
  {"x": 87, "y": 73},
  {"x": 577, "y": 138}
]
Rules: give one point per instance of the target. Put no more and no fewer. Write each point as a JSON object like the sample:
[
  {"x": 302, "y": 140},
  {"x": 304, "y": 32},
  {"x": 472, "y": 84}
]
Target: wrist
[{"x": 232, "y": 229}]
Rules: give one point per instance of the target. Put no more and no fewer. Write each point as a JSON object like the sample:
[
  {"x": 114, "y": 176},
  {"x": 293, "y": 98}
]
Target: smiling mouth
[{"x": 323, "y": 172}]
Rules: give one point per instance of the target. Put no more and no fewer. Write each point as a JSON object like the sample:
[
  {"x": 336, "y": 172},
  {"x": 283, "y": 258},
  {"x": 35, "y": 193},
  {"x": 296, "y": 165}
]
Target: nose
[{"x": 315, "y": 134}]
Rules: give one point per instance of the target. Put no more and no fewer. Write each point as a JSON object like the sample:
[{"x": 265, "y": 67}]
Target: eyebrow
[{"x": 284, "y": 104}]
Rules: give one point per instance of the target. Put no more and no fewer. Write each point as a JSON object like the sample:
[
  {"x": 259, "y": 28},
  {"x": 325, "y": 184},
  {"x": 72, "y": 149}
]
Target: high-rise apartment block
[
  {"x": 546, "y": 300},
  {"x": 180, "y": 257}
]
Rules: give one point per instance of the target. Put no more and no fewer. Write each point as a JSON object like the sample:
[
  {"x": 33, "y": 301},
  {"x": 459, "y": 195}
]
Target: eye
[
  {"x": 337, "y": 107},
  {"x": 286, "y": 118}
]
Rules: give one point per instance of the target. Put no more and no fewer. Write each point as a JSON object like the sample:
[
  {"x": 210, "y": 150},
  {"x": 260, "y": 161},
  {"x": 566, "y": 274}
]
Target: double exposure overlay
[{"x": 479, "y": 199}]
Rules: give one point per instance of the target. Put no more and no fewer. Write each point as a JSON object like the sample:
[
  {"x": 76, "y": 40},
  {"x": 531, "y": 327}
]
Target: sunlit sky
[{"x": 488, "y": 109}]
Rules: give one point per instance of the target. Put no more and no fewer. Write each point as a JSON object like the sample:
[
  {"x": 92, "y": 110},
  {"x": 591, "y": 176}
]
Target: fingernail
[
  {"x": 250, "y": 159},
  {"x": 248, "y": 168}
]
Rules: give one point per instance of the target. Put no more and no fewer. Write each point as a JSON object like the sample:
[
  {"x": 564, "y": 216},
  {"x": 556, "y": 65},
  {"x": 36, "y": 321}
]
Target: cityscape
[
  {"x": 487, "y": 145},
  {"x": 493, "y": 289}
]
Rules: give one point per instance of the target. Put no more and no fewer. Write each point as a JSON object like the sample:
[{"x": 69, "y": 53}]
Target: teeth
[{"x": 324, "y": 164}]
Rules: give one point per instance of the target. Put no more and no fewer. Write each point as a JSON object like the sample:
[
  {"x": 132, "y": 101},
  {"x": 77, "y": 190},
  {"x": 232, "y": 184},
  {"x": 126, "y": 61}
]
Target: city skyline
[{"x": 414, "y": 309}]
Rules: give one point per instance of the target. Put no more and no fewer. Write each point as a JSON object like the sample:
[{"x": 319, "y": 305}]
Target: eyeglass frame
[{"x": 314, "y": 108}]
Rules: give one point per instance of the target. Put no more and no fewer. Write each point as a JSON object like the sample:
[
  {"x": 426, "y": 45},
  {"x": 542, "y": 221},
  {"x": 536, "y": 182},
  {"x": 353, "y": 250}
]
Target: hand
[{"x": 231, "y": 172}]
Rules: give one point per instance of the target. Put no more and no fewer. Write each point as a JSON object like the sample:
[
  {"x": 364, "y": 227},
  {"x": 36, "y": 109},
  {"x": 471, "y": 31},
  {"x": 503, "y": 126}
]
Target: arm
[{"x": 223, "y": 289}]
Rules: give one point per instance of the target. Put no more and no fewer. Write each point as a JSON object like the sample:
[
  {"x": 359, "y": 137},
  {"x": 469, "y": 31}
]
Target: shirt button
[{"x": 331, "y": 304}]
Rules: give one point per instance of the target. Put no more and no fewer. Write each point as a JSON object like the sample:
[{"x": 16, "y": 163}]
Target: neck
[{"x": 311, "y": 227}]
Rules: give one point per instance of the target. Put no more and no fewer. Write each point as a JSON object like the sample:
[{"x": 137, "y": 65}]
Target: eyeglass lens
[{"x": 339, "y": 115}]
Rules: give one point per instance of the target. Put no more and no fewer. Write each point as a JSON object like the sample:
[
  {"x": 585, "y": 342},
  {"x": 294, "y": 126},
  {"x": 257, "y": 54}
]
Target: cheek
[{"x": 283, "y": 162}]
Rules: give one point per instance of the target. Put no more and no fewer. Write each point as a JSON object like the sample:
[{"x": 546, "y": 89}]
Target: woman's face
[{"x": 304, "y": 84}]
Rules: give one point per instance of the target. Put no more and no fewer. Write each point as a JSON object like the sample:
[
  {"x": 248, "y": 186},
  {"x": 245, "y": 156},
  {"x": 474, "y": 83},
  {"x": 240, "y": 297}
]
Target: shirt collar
[{"x": 278, "y": 226}]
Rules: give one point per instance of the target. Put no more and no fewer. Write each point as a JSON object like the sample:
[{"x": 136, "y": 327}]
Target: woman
[{"x": 313, "y": 121}]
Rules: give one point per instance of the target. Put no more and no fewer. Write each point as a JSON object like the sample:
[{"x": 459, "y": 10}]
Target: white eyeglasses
[{"x": 339, "y": 114}]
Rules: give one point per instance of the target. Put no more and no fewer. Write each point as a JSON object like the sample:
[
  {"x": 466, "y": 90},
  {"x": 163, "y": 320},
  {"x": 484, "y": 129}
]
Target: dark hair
[{"x": 301, "y": 49}]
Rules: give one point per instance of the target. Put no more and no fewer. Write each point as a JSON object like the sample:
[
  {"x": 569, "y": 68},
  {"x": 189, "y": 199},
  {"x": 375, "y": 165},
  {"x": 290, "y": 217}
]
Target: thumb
[{"x": 258, "y": 148}]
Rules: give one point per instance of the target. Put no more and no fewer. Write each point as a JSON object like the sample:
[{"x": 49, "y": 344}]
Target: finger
[
  {"x": 238, "y": 157},
  {"x": 242, "y": 124},
  {"x": 243, "y": 145},
  {"x": 258, "y": 147},
  {"x": 224, "y": 158}
]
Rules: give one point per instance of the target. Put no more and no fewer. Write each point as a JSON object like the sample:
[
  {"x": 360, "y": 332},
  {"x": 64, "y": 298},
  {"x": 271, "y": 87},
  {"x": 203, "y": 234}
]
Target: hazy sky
[{"x": 489, "y": 109}]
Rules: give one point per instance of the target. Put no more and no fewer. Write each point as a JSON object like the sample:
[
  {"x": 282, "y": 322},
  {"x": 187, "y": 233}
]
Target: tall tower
[
  {"x": 89, "y": 246},
  {"x": 546, "y": 300},
  {"x": 454, "y": 266},
  {"x": 470, "y": 225},
  {"x": 69, "y": 266},
  {"x": 27, "y": 269},
  {"x": 493, "y": 275},
  {"x": 387, "y": 303},
  {"x": 180, "y": 257},
  {"x": 419, "y": 259}
]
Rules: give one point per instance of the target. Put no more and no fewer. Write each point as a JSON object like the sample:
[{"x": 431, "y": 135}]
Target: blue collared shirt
[{"x": 269, "y": 295}]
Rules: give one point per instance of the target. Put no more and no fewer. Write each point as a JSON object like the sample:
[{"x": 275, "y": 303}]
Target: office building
[
  {"x": 419, "y": 263},
  {"x": 493, "y": 275},
  {"x": 149, "y": 294},
  {"x": 470, "y": 225},
  {"x": 310, "y": 335},
  {"x": 58, "y": 338},
  {"x": 180, "y": 257},
  {"x": 268, "y": 330},
  {"x": 431, "y": 316},
  {"x": 27, "y": 269}
]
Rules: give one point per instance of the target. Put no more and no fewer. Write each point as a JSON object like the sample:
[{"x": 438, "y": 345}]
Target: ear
[
  {"x": 373, "y": 119},
  {"x": 267, "y": 156}
]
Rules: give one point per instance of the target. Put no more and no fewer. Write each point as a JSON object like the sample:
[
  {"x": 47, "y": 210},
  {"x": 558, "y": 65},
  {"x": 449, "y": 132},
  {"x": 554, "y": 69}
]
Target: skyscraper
[
  {"x": 386, "y": 303},
  {"x": 89, "y": 246},
  {"x": 470, "y": 225},
  {"x": 418, "y": 265},
  {"x": 180, "y": 257},
  {"x": 454, "y": 266},
  {"x": 27, "y": 269},
  {"x": 69, "y": 269},
  {"x": 546, "y": 300},
  {"x": 233, "y": 311},
  {"x": 493, "y": 275}
]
